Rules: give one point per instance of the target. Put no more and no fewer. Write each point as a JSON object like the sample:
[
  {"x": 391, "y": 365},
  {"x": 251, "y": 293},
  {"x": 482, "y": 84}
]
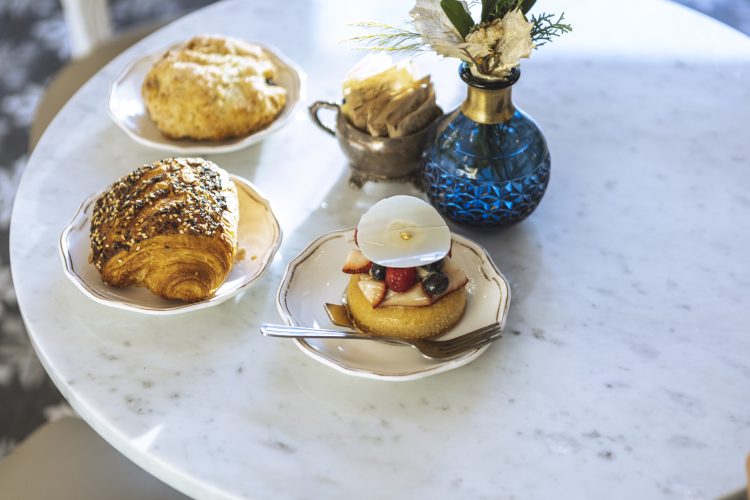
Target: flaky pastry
[
  {"x": 170, "y": 227},
  {"x": 213, "y": 87}
]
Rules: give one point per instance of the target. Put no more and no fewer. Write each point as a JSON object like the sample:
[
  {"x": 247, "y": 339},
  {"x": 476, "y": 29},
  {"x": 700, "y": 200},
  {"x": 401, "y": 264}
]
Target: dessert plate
[
  {"x": 258, "y": 237},
  {"x": 314, "y": 278},
  {"x": 128, "y": 111}
]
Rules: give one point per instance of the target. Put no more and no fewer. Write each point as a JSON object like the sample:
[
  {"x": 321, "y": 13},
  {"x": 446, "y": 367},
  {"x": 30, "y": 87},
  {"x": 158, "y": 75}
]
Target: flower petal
[{"x": 436, "y": 29}]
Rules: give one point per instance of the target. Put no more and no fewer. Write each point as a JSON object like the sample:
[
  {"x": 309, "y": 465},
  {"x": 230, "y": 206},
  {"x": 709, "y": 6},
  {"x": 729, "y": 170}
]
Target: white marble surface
[{"x": 626, "y": 368}]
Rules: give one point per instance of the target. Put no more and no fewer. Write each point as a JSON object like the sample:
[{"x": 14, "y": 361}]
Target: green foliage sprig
[
  {"x": 458, "y": 16},
  {"x": 544, "y": 28}
]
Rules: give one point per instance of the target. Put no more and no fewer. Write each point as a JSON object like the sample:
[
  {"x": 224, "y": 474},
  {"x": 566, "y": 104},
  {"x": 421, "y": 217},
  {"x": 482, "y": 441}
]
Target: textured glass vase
[{"x": 489, "y": 164}]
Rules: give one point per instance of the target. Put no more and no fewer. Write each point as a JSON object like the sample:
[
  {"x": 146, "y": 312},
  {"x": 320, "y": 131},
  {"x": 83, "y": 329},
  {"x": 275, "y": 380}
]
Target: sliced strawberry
[
  {"x": 356, "y": 263},
  {"x": 400, "y": 279},
  {"x": 355, "y": 237},
  {"x": 373, "y": 290}
]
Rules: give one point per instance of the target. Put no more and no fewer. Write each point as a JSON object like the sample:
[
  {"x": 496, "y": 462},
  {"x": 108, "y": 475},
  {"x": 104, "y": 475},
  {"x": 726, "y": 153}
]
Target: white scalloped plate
[
  {"x": 258, "y": 234},
  {"x": 314, "y": 278},
  {"x": 127, "y": 110}
]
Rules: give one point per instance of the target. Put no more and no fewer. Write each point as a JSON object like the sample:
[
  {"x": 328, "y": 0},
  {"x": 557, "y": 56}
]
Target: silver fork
[{"x": 430, "y": 349}]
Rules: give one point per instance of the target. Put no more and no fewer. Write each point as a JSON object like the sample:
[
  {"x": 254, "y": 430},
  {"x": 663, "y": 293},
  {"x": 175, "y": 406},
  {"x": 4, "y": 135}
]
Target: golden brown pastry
[
  {"x": 170, "y": 226},
  {"x": 405, "y": 322},
  {"x": 212, "y": 87}
]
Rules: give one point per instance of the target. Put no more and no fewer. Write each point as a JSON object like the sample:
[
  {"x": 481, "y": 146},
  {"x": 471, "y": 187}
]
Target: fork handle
[{"x": 271, "y": 330}]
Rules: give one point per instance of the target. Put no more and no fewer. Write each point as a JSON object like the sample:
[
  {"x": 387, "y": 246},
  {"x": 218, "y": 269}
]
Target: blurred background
[{"x": 34, "y": 46}]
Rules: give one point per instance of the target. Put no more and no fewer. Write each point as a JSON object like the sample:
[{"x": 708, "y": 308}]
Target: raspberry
[{"x": 400, "y": 279}]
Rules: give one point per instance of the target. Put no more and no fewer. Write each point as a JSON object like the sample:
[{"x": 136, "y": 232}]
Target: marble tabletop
[{"x": 625, "y": 369}]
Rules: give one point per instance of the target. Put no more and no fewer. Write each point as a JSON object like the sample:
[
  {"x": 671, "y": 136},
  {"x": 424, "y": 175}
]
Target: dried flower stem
[{"x": 389, "y": 38}]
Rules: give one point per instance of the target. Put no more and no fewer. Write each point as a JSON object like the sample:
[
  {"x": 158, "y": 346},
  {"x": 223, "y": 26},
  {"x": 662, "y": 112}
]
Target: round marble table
[{"x": 625, "y": 369}]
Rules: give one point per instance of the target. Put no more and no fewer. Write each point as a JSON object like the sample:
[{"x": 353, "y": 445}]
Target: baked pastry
[
  {"x": 170, "y": 227},
  {"x": 412, "y": 314},
  {"x": 212, "y": 87},
  {"x": 403, "y": 282}
]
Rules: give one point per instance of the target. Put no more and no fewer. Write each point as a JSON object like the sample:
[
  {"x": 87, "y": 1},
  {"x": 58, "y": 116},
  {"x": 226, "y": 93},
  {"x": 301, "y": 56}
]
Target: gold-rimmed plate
[
  {"x": 128, "y": 111},
  {"x": 314, "y": 277},
  {"x": 258, "y": 239}
]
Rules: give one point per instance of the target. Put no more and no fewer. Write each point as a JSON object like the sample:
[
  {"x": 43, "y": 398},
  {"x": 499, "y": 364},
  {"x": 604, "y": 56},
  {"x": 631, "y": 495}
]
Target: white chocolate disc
[{"x": 403, "y": 231}]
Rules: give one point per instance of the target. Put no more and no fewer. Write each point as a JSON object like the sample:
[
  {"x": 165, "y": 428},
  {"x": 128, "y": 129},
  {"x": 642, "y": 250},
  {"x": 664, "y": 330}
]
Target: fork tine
[
  {"x": 439, "y": 351},
  {"x": 474, "y": 345},
  {"x": 479, "y": 332},
  {"x": 469, "y": 338},
  {"x": 492, "y": 338}
]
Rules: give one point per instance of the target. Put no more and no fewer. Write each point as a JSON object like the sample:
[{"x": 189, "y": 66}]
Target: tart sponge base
[{"x": 405, "y": 322}]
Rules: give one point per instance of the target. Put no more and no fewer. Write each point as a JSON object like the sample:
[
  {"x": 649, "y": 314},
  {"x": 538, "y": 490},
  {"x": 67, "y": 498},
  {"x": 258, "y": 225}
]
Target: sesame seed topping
[{"x": 172, "y": 196}]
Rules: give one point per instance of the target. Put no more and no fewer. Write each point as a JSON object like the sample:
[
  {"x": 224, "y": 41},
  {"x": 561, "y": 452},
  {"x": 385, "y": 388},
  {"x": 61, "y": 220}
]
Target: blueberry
[
  {"x": 435, "y": 283},
  {"x": 377, "y": 272},
  {"x": 435, "y": 266}
]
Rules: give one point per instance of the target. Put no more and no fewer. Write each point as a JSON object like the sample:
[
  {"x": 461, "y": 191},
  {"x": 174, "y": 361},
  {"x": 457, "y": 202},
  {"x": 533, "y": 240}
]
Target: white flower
[
  {"x": 500, "y": 44},
  {"x": 492, "y": 48},
  {"x": 515, "y": 42},
  {"x": 485, "y": 37},
  {"x": 436, "y": 29}
]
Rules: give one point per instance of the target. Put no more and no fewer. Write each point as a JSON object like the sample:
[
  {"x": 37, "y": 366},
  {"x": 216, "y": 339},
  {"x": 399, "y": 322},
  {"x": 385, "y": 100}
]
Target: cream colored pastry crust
[{"x": 213, "y": 88}]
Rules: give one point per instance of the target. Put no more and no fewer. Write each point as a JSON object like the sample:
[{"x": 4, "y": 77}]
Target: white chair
[
  {"x": 88, "y": 25},
  {"x": 92, "y": 46},
  {"x": 67, "y": 460}
]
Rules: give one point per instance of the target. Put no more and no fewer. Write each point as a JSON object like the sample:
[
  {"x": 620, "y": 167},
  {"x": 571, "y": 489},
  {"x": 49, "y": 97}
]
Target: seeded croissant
[{"x": 170, "y": 226}]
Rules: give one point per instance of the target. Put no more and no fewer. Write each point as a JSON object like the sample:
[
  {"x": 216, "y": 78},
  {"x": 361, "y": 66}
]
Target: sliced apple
[
  {"x": 456, "y": 278},
  {"x": 356, "y": 263},
  {"x": 413, "y": 297},
  {"x": 372, "y": 289},
  {"x": 422, "y": 273}
]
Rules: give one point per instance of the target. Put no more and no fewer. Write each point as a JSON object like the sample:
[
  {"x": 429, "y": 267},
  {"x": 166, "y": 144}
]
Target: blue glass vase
[{"x": 489, "y": 164}]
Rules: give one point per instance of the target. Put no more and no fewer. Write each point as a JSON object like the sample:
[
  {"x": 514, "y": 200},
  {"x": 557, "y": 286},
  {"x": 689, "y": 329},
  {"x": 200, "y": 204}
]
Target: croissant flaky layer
[{"x": 170, "y": 226}]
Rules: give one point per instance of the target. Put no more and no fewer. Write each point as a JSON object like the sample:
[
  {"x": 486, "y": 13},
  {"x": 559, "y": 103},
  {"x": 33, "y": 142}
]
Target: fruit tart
[{"x": 403, "y": 282}]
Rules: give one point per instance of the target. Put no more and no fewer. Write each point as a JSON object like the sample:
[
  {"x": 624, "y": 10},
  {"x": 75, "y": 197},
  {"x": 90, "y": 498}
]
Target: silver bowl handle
[{"x": 316, "y": 107}]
